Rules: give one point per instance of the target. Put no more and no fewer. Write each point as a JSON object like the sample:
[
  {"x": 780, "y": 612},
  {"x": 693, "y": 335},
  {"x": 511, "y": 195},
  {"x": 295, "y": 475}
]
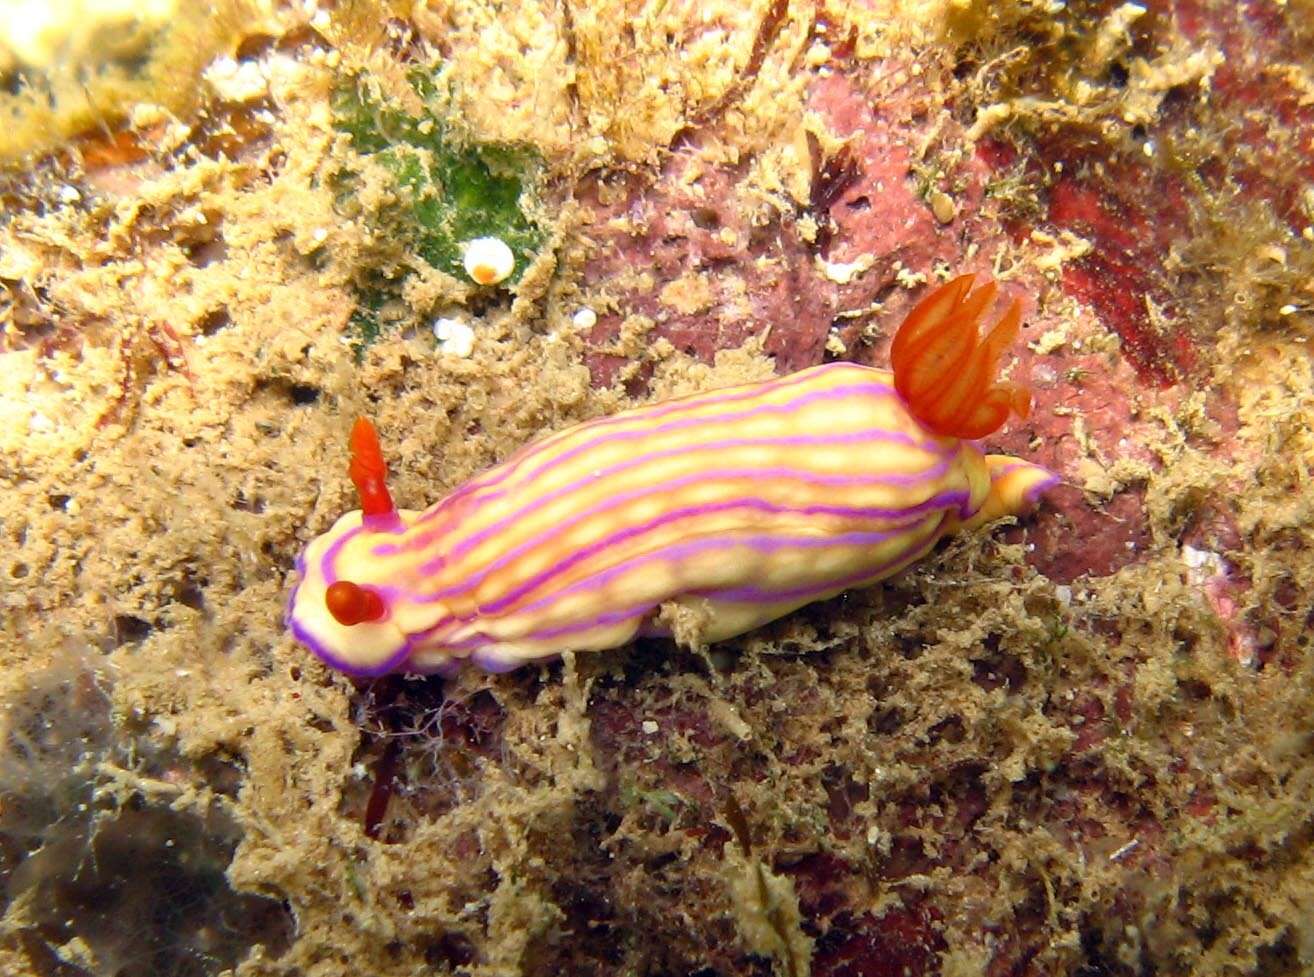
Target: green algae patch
[{"x": 425, "y": 186}]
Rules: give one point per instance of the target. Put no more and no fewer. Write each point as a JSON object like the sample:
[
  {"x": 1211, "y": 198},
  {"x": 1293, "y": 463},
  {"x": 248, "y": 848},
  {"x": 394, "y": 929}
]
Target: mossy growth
[
  {"x": 370, "y": 319},
  {"x": 447, "y": 190},
  {"x": 1017, "y": 192}
]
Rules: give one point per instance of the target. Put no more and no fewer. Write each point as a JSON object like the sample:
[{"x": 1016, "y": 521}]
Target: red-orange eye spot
[{"x": 350, "y": 603}]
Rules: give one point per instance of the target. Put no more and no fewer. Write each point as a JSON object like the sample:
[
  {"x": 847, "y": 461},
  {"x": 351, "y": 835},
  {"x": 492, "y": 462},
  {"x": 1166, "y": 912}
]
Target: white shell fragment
[
  {"x": 454, "y": 337},
  {"x": 237, "y": 81},
  {"x": 488, "y": 260},
  {"x": 584, "y": 318},
  {"x": 841, "y": 273}
]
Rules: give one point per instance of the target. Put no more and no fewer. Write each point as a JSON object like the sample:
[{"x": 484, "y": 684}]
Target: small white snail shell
[{"x": 488, "y": 260}]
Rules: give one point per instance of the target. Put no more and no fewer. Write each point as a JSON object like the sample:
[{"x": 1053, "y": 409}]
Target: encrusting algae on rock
[{"x": 1079, "y": 742}]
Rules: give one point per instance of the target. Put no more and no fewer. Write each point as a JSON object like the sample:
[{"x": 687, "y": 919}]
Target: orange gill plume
[{"x": 946, "y": 372}]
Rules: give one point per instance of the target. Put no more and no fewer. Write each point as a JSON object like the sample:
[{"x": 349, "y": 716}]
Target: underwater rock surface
[{"x": 1073, "y": 745}]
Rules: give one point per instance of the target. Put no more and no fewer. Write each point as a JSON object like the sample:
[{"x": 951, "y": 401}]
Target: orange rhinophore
[
  {"x": 368, "y": 470},
  {"x": 946, "y": 373}
]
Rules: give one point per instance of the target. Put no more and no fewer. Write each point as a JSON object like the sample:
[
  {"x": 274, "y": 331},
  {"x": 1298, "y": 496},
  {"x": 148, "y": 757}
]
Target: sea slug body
[{"x": 741, "y": 504}]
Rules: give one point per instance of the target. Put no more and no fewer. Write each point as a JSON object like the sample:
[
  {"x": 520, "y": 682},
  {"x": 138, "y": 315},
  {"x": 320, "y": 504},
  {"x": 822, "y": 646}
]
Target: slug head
[{"x": 344, "y": 607}]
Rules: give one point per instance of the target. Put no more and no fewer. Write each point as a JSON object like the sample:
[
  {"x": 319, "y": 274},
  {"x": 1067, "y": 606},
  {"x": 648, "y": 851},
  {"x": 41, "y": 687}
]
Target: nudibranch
[{"x": 740, "y": 504}]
